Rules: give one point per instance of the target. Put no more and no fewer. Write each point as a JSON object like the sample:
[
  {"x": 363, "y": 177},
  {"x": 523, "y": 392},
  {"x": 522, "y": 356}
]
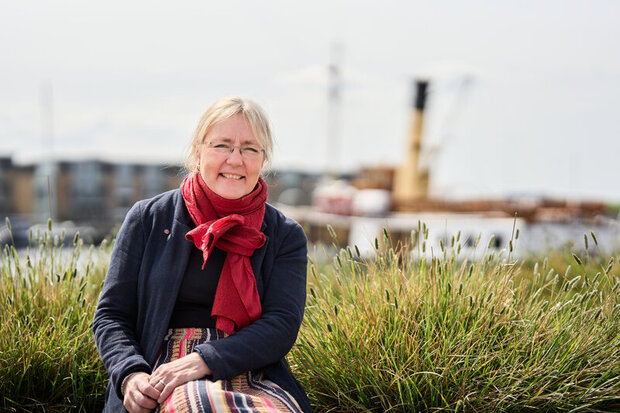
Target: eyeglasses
[{"x": 247, "y": 151}]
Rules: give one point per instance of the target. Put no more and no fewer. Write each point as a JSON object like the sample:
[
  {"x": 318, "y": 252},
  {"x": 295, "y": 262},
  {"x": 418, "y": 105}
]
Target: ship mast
[
  {"x": 46, "y": 171},
  {"x": 334, "y": 108}
]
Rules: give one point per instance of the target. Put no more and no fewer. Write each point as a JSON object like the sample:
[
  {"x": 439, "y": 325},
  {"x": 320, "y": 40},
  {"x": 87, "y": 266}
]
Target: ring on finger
[{"x": 163, "y": 383}]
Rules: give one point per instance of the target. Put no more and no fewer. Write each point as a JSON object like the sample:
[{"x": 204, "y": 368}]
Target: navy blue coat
[{"x": 146, "y": 269}]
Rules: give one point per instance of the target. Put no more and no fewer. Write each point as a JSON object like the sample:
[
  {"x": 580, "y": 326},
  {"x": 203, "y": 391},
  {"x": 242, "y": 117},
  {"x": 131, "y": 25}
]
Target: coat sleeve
[
  {"x": 114, "y": 325},
  {"x": 270, "y": 338}
]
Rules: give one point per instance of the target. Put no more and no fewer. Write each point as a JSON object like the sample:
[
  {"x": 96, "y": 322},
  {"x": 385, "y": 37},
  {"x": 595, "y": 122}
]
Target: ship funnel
[{"x": 410, "y": 182}]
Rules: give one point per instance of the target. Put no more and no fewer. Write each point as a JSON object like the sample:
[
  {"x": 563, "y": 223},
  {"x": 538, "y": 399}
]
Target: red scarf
[{"x": 233, "y": 225}]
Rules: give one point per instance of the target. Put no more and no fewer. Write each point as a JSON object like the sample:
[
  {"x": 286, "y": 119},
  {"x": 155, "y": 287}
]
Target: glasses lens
[
  {"x": 250, "y": 151},
  {"x": 246, "y": 151}
]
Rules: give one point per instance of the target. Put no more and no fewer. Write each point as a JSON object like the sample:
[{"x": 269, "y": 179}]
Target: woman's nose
[{"x": 235, "y": 158}]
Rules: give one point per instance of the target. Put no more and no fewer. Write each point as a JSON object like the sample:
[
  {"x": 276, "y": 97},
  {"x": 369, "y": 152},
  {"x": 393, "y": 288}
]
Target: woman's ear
[{"x": 197, "y": 158}]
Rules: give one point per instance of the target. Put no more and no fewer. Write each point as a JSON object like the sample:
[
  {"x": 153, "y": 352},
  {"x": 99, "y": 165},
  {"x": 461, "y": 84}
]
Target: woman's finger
[
  {"x": 134, "y": 408},
  {"x": 162, "y": 385},
  {"x": 136, "y": 402},
  {"x": 157, "y": 382},
  {"x": 145, "y": 401},
  {"x": 167, "y": 386},
  {"x": 149, "y": 390},
  {"x": 139, "y": 395},
  {"x": 167, "y": 391},
  {"x": 176, "y": 373}
]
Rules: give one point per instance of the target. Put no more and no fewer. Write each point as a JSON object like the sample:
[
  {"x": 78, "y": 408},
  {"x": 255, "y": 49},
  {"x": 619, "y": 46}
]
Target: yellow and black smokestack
[{"x": 411, "y": 182}]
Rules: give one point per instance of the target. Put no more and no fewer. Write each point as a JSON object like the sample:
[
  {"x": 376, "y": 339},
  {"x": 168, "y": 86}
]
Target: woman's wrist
[{"x": 126, "y": 380}]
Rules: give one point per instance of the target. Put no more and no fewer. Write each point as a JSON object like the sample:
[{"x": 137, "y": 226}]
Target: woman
[{"x": 206, "y": 287}]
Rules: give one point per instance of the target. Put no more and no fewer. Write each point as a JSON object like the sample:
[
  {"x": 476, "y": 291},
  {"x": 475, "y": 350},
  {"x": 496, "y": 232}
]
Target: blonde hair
[{"x": 223, "y": 109}]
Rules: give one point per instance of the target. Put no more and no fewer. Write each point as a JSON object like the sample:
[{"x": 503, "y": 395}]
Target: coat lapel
[
  {"x": 170, "y": 268},
  {"x": 258, "y": 257},
  {"x": 178, "y": 249}
]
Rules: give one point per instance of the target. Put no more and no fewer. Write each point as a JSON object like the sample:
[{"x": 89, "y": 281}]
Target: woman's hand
[
  {"x": 177, "y": 373},
  {"x": 140, "y": 396}
]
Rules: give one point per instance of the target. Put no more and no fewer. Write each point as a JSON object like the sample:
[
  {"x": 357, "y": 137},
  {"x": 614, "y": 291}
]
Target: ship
[{"x": 382, "y": 202}]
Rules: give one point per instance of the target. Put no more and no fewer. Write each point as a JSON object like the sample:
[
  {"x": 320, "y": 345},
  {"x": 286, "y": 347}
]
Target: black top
[{"x": 195, "y": 300}]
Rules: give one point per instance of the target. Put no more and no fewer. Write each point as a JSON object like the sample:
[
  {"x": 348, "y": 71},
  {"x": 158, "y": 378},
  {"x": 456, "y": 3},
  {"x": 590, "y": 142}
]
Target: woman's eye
[
  {"x": 250, "y": 149},
  {"x": 221, "y": 146}
]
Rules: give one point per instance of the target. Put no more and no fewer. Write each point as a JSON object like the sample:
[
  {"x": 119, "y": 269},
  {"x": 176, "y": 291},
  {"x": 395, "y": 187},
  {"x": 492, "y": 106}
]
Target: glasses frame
[{"x": 231, "y": 148}]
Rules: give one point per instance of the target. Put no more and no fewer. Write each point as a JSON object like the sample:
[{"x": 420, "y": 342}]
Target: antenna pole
[{"x": 334, "y": 112}]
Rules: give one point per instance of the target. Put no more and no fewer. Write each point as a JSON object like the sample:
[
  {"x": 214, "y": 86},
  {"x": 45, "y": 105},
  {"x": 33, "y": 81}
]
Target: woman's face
[{"x": 234, "y": 174}]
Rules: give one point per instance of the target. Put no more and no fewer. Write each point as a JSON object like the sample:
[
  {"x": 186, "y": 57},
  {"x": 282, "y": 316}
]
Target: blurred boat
[{"x": 359, "y": 208}]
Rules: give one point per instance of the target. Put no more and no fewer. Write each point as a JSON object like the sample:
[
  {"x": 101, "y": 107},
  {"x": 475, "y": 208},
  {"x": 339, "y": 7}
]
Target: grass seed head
[
  {"x": 594, "y": 238},
  {"x": 574, "y": 281},
  {"x": 332, "y": 233},
  {"x": 491, "y": 242}
]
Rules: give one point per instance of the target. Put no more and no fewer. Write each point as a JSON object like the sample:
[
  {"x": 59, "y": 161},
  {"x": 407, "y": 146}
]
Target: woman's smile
[{"x": 231, "y": 176}]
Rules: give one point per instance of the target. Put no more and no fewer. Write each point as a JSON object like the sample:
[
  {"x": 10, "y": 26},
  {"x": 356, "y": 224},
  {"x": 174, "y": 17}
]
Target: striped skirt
[{"x": 245, "y": 393}]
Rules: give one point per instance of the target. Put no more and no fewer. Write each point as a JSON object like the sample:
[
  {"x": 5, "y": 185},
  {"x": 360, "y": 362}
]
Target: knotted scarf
[{"x": 232, "y": 225}]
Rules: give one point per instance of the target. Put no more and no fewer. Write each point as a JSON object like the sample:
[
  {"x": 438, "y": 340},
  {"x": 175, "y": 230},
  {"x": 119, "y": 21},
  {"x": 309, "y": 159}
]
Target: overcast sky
[{"x": 524, "y": 99}]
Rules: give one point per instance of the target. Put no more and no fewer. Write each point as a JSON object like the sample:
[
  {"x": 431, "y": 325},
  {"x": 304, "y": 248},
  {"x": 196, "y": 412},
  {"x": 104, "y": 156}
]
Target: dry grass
[
  {"x": 404, "y": 333},
  {"x": 394, "y": 333}
]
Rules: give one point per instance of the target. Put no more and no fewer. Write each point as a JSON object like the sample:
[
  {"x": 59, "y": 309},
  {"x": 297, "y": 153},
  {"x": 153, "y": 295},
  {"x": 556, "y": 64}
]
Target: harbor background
[{"x": 522, "y": 102}]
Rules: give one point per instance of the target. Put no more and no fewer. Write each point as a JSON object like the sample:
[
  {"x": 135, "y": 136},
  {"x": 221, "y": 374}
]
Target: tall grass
[
  {"x": 404, "y": 333},
  {"x": 48, "y": 360},
  {"x": 398, "y": 332}
]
